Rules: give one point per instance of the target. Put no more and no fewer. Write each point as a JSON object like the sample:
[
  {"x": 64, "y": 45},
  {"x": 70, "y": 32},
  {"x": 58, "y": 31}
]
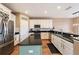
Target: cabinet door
[
  {"x": 45, "y": 35},
  {"x": 66, "y": 47},
  {"x": 52, "y": 38},
  {"x": 24, "y": 28},
  {"x": 16, "y": 41},
  {"x": 4, "y": 9},
  {"x": 67, "y": 50},
  {"x": 54, "y": 41},
  {"x": 58, "y": 43}
]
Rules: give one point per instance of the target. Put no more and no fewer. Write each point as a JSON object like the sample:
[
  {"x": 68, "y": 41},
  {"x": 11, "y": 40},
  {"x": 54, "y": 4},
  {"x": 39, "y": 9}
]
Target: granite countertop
[
  {"x": 50, "y": 30},
  {"x": 16, "y": 33},
  {"x": 41, "y": 30},
  {"x": 31, "y": 41},
  {"x": 65, "y": 38},
  {"x": 70, "y": 39}
]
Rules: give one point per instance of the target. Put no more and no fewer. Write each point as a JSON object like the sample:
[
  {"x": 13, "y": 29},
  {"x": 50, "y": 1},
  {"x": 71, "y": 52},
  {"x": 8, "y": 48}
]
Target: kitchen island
[{"x": 31, "y": 46}]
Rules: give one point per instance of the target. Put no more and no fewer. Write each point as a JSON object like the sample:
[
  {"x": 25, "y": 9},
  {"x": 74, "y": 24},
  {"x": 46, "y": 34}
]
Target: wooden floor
[
  {"x": 45, "y": 49},
  {"x": 16, "y": 50}
]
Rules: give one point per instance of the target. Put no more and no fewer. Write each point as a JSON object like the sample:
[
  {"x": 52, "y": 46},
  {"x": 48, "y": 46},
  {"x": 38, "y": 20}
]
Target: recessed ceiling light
[
  {"x": 58, "y": 7},
  {"x": 45, "y": 11},
  {"x": 26, "y": 12}
]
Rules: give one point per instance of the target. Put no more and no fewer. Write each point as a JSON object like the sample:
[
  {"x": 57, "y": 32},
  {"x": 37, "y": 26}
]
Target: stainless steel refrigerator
[{"x": 6, "y": 34}]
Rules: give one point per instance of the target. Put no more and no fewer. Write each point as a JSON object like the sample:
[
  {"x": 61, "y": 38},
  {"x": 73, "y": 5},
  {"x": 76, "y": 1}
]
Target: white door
[{"x": 24, "y": 30}]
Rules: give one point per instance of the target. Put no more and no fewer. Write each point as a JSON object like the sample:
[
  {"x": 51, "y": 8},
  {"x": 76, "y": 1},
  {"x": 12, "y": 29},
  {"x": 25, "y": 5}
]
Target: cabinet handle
[{"x": 63, "y": 46}]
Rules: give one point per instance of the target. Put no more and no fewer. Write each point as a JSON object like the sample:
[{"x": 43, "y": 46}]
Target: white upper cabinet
[
  {"x": 5, "y": 10},
  {"x": 44, "y": 23}
]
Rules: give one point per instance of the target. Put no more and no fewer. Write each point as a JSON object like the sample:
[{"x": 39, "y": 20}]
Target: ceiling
[{"x": 64, "y": 10}]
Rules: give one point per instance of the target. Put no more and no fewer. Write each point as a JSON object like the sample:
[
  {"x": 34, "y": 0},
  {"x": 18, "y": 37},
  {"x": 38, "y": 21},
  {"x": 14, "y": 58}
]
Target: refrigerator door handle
[{"x": 5, "y": 30}]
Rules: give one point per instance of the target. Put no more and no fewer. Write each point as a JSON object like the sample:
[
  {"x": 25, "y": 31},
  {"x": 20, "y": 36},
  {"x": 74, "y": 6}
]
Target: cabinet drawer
[
  {"x": 30, "y": 50},
  {"x": 44, "y": 35}
]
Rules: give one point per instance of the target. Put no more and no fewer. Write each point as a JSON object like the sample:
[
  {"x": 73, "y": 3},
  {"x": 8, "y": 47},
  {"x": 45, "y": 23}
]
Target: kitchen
[{"x": 39, "y": 29}]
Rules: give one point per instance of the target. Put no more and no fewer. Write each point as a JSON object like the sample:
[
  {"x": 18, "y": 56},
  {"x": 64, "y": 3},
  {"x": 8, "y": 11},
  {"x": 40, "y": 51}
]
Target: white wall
[
  {"x": 62, "y": 24},
  {"x": 45, "y": 23}
]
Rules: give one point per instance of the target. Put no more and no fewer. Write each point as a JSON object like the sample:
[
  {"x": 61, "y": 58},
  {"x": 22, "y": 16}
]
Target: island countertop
[{"x": 31, "y": 41}]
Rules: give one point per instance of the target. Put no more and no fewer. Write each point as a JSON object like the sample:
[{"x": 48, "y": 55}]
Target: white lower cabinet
[
  {"x": 65, "y": 47},
  {"x": 58, "y": 43},
  {"x": 44, "y": 35},
  {"x": 52, "y": 38},
  {"x": 16, "y": 41},
  {"x": 67, "y": 50}
]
